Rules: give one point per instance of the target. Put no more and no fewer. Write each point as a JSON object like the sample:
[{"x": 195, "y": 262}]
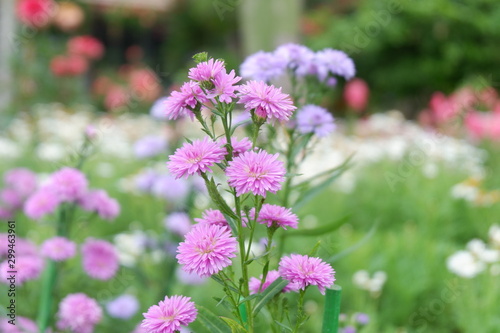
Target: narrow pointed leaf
[
  {"x": 211, "y": 322},
  {"x": 264, "y": 297},
  {"x": 324, "y": 229}
]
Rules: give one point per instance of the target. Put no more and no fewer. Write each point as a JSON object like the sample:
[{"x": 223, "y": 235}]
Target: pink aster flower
[
  {"x": 207, "y": 70},
  {"x": 22, "y": 180},
  {"x": 182, "y": 103},
  {"x": 239, "y": 146},
  {"x": 100, "y": 202},
  {"x": 169, "y": 315},
  {"x": 207, "y": 250},
  {"x": 196, "y": 157},
  {"x": 267, "y": 101},
  {"x": 58, "y": 248},
  {"x": 100, "y": 260},
  {"x": 256, "y": 172},
  {"x": 11, "y": 199},
  {"x": 304, "y": 271},
  {"x": 41, "y": 203},
  {"x": 23, "y": 325},
  {"x": 277, "y": 216},
  {"x": 212, "y": 216},
  {"x": 27, "y": 268},
  {"x": 225, "y": 86},
  {"x": 68, "y": 184},
  {"x": 271, "y": 276},
  {"x": 78, "y": 313}
]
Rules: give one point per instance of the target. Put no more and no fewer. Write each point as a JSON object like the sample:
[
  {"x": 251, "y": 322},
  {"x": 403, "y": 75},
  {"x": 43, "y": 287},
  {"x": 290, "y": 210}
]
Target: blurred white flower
[
  {"x": 9, "y": 149},
  {"x": 50, "y": 151},
  {"x": 130, "y": 246},
  {"x": 373, "y": 284},
  {"x": 465, "y": 264},
  {"x": 494, "y": 235},
  {"x": 465, "y": 191},
  {"x": 479, "y": 249}
]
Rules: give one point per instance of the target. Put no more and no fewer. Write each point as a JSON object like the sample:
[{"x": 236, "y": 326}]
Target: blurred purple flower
[
  {"x": 145, "y": 180},
  {"x": 297, "y": 57},
  {"x": 27, "y": 267},
  {"x": 69, "y": 184},
  {"x": 169, "y": 188},
  {"x": 158, "y": 110},
  {"x": 362, "y": 318},
  {"x": 22, "y": 180},
  {"x": 150, "y": 146},
  {"x": 99, "y": 259},
  {"x": 41, "y": 203},
  {"x": 334, "y": 62},
  {"x": 263, "y": 66},
  {"x": 100, "y": 202},
  {"x": 58, "y": 248},
  {"x": 315, "y": 119},
  {"x": 190, "y": 278},
  {"x": 178, "y": 222},
  {"x": 123, "y": 307}
]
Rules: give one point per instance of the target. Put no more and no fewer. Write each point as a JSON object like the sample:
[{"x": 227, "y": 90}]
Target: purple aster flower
[
  {"x": 58, "y": 249},
  {"x": 315, "y": 119},
  {"x": 169, "y": 315},
  {"x": 349, "y": 329},
  {"x": 239, "y": 146},
  {"x": 297, "y": 57},
  {"x": 207, "y": 70},
  {"x": 267, "y": 101},
  {"x": 145, "y": 180},
  {"x": 22, "y": 180},
  {"x": 195, "y": 158},
  {"x": 169, "y": 188},
  {"x": 11, "y": 198},
  {"x": 182, "y": 103},
  {"x": 276, "y": 216},
  {"x": 78, "y": 313},
  {"x": 123, "y": 307},
  {"x": 159, "y": 109},
  {"x": 225, "y": 86},
  {"x": 271, "y": 276},
  {"x": 362, "y": 318},
  {"x": 150, "y": 146},
  {"x": 212, "y": 216},
  {"x": 256, "y": 172},
  {"x": 100, "y": 202},
  {"x": 207, "y": 250},
  {"x": 41, "y": 203},
  {"x": 335, "y": 62},
  {"x": 304, "y": 271},
  {"x": 178, "y": 222},
  {"x": 263, "y": 66},
  {"x": 27, "y": 267},
  {"x": 99, "y": 259},
  {"x": 69, "y": 184},
  {"x": 190, "y": 278}
]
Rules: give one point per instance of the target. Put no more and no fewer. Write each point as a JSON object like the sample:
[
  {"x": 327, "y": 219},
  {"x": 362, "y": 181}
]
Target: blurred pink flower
[
  {"x": 28, "y": 267},
  {"x": 212, "y": 216},
  {"x": 41, "y": 203},
  {"x": 116, "y": 97},
  {"x": 100, "y": 202},
  {"x": 69, "y": 184},
  {"x": 356, "y": 94},
  {"x": 58, "y": 248},
  {"x": 22, "y": 180},
  {"x": 99, "y": 259},
  {"x": 35, "y": 13},
  {"x": 145, "y": 84},
  {"x": 482, "y": 125},
  {"x": 68, "y": 65},
  {"x": 239, "y": 146},
  {"x": 23, "y": 325},
  {"x": 78, "y": 313},
  {"x": 86, "y": 46},
  {"x": 255, "y": 284}
]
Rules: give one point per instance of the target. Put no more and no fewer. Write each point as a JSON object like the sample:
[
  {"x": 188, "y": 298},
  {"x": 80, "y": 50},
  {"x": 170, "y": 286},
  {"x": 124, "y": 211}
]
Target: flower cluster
[
  {"x": 324, "y": 64},
  {"x": 477, "y": 256}
]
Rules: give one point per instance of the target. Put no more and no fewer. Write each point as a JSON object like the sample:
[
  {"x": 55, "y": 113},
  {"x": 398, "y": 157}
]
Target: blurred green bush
[{"x": 407, "y": 49}]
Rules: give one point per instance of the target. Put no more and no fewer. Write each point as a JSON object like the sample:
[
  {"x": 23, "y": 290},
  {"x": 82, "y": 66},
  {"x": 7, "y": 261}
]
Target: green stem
[
  {"x": 300, "y": 311},
  {"x": 332, "y": 310}
]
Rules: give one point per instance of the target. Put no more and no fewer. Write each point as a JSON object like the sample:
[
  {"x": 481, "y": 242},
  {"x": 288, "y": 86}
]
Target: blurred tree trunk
[
  {"x": 265, "y": 24},
  {"x": 7, "y": 28}
]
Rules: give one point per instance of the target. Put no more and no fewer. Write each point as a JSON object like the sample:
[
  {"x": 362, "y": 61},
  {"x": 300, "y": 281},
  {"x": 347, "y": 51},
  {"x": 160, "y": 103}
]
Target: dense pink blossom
[
  {"x": 35, "y": 13},
  {"x": 304, "y": 271},
  {"x": 266, "y": 101},
  {"x": 195, "y": 158},
  {"x": 224, "y": 87},
  {"x": 22, "y": 180},
  {"x": 58, "y": 248},
  {"x": 239, "y": 146},
  {"x": 181, "y": 103},
  {"x": 212, "y": 216},
  {"x": 28, "y": 267},
  {"x": 169, "y": 315},
  {"x": 78, "y": 313},
  {"x": 207, "y": 249},
  {"x": 86, "y": 46},
  {"x": 99, "y": 259},
  {"x": 100, "y": 202},
  {"x": 68, "y": 184},
  {"x": 41, "y": 203},
  {"x": 356, "y": 94},
  {"x": 277, "y": 216},
  {"x": 256, "y": 172},
  {"x": 207, "y": 70},
  {"x": 255, "y": 284}
]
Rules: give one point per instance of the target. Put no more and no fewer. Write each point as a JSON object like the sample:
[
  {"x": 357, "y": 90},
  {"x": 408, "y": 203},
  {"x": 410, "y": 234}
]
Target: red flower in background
[
  {"x": 356, "y": 94},
  {"x": 116, "y": 98},
  {"x": 35, "y": 13},
  {"x": 145, "y": 84},
  {"x": 68, "y": 65},
  {"x": 86, "y": 46}
]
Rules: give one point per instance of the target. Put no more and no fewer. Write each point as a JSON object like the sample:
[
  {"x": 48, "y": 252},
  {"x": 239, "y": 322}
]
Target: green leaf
[
  {"x": 322, "y": 230},
  {"x": 286, "y": 328},
  {"x": 314, "y": 250},
  {"x": 211, "y": 322},
  {"x": 224, "y": 303},
  {"x": 355, "y": 246},
  {"x": 221, "y": 204},
  {"x": 264, "y": 297},
  {"x": 235, "y": 326},
  {"x": 200, "y": 57},
  {"x": 218, "y": 280}
]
